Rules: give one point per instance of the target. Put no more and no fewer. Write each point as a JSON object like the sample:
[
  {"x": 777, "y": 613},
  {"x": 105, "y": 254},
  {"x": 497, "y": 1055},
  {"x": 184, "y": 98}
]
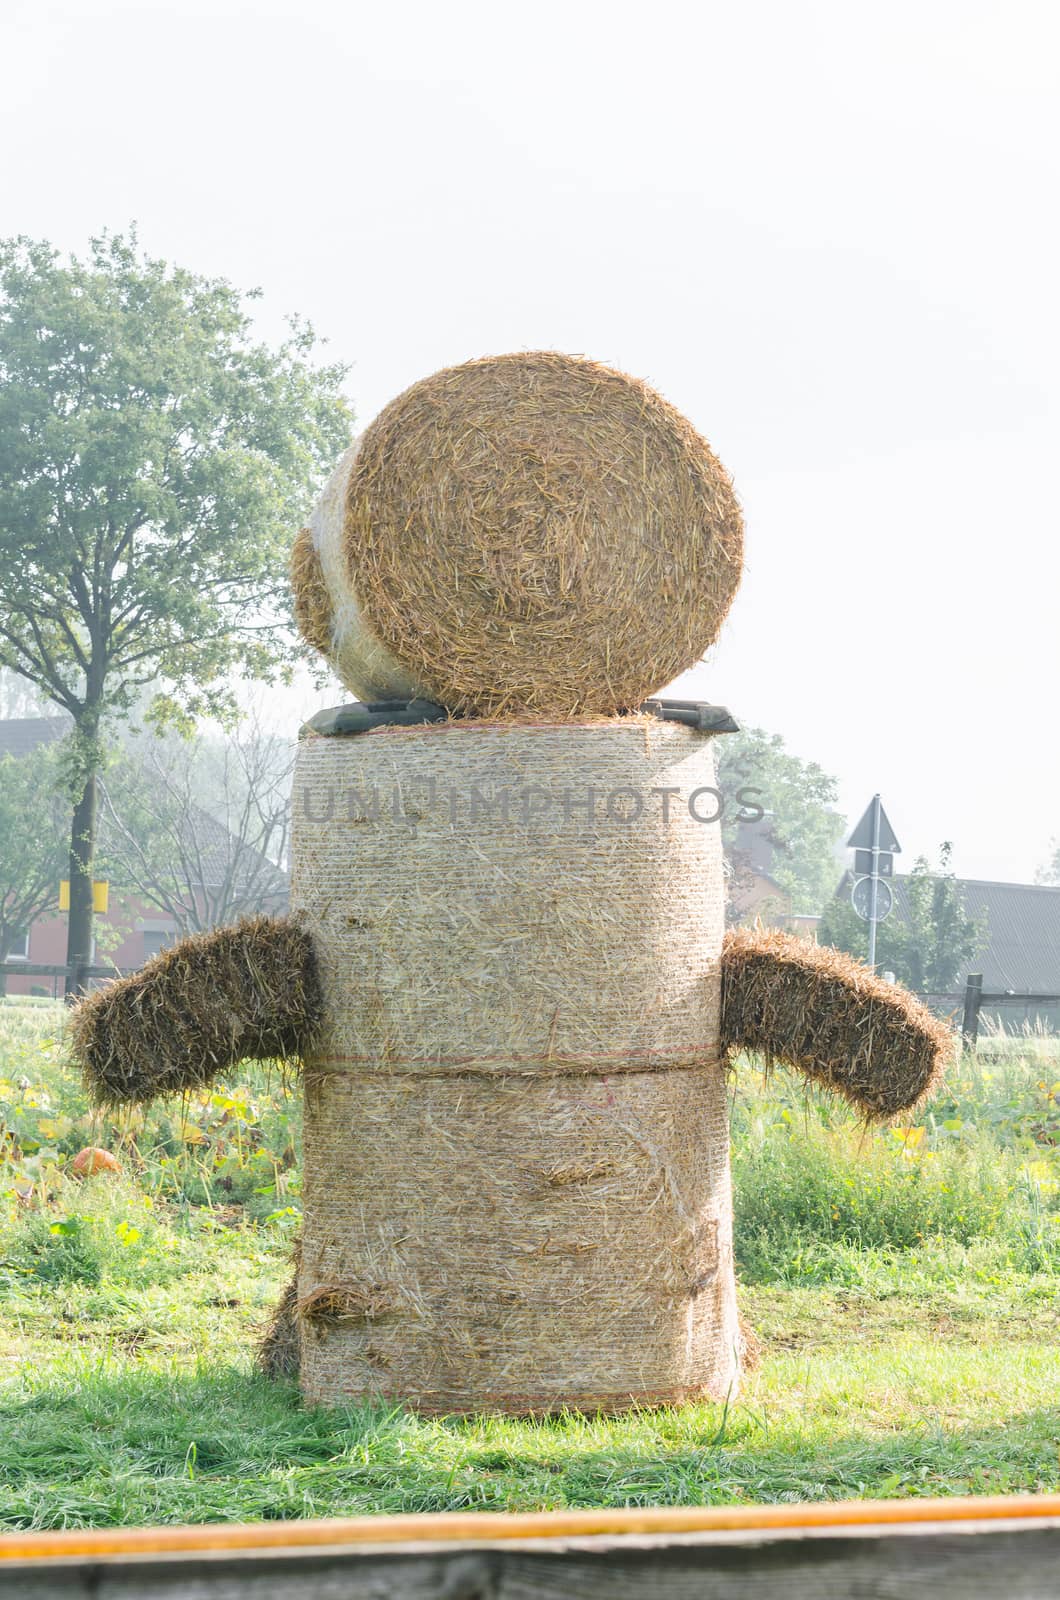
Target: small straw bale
[
  {"x": 828, "y": 1016},
  {"x": 237, "y": 993},
  {"x": 530, "y": 532}
]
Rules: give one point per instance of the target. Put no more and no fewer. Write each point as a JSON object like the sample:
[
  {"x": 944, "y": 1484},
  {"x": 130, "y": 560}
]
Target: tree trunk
[{"x": 82, "y": 862}]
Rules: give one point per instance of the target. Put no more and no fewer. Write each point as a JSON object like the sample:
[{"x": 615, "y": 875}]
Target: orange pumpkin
[{"x": 92, "y": 1159}]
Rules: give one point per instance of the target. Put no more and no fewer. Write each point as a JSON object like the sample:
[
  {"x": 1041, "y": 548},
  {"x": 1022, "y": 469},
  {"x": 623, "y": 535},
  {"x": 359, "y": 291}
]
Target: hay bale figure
[
  {"x": 525, "y": 533},
  {"x": 505, "y": 970}
]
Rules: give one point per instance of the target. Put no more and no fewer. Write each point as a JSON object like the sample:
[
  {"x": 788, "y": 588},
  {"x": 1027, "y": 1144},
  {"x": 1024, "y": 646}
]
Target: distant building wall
[{"x": 129, "y": 934}]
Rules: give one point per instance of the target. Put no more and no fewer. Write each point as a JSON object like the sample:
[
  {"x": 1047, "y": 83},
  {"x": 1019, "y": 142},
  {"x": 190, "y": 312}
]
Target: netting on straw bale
[
  {"x": 527, "y": 532},
  {"x": 312, "y": 603},
  {"x": 516, "y": 1146},
  {"x": 520, "y": 1243}
]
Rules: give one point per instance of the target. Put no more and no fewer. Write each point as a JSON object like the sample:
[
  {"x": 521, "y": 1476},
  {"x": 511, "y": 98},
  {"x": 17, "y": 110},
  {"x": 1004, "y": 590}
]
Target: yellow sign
[{"x": 100, "y": 894}]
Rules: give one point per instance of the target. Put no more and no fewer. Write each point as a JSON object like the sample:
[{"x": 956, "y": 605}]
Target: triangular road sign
[{"x": 861, "y": 838}]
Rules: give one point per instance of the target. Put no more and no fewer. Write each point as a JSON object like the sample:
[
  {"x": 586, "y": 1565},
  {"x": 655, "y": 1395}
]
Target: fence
[
  {"x": 69, "y": 974},
  {"x": 967, "y": 1005},
  {"x": 973, "y": 1549},
  {"x": 976, "y": 997}
]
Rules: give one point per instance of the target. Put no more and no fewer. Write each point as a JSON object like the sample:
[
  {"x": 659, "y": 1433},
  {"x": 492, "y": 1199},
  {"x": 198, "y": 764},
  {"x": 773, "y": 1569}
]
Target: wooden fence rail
[
  {"x": 976, "y": 997},
  {"x": 38, "y": 969},
  {"x": 1004, "y": 1549}
]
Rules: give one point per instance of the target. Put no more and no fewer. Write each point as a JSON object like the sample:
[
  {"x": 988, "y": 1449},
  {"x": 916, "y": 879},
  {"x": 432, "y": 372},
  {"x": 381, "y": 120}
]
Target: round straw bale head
[
  {"x": 528, "y": 532},
  {"x": 517, "y": 1185}
]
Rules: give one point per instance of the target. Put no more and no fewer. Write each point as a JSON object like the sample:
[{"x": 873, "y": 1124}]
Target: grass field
[{"x": 905, "y": 1286}]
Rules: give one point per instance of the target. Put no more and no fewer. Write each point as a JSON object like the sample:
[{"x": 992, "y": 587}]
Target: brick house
[{"x": 134, "y": 928}]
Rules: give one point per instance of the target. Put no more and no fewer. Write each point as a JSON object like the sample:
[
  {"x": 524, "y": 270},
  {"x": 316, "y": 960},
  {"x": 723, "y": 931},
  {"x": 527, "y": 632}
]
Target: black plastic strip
[{"x": 362, "y": 716}]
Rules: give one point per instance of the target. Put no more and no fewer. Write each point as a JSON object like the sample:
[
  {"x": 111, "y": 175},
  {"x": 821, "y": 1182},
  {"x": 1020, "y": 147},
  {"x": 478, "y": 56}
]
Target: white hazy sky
[{"x": 826, "y": 231}]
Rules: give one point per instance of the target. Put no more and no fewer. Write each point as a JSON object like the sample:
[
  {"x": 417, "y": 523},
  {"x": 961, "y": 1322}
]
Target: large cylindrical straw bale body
[{"x": 516, "y": 1135}]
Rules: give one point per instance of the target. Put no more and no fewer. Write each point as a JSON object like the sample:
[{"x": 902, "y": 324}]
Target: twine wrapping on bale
[
  {"x": 519, "y": 1243},
  {"x": 828, "y": 1016},
  {"x": 516, "y": 1136},
  {"x": 214, "y": 999},
  {"x": 527, "y": 532}
]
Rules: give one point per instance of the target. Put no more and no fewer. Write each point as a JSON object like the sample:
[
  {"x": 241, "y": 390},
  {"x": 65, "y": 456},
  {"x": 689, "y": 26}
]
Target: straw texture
[
  {"x": 820, "y": 1011},
  {"x": 521, "y": 1244},
  {"x": 527, "y": 532},
  {"x": 214, "y": 999},
  {"x": 312, "y": 603},
  {"x": 279, "y": 1353},
  {"x": 326, "y": 604},
  {"x": 516, "y": 1145}
]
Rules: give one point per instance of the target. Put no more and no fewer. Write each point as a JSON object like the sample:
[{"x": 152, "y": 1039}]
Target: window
[
  {"x": 19, "y": 949},
  {"x": 156, "y": 940}
]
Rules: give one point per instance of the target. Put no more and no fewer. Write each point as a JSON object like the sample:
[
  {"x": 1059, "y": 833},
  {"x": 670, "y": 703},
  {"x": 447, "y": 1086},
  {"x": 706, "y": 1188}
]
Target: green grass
[{"x": 905, "y": 1287}]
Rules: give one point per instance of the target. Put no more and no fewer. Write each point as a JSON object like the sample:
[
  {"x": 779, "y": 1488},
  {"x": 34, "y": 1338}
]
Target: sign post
[
  {"x": 871, "y": 895},
  {"x": 875, "y": 896}
]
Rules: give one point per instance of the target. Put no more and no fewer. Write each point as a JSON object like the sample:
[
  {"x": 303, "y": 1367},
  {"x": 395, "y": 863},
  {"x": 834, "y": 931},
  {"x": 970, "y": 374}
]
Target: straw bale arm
[
  {"x": 248, "y": 991},
  {"x": 825, "y": 1014}
]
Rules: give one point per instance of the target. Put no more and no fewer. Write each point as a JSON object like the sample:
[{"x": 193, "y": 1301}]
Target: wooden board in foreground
[{"x": 957, "y": 1549}]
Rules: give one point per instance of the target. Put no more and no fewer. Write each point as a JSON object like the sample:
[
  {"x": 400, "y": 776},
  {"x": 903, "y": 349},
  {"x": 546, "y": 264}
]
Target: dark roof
[
  {"x": 1021, "y": 942},
  {"x": 1021, "y": 950},
  {"x": 20, "y": 735},
  {"x": 756, "y": 845},
  {"x": 218, "y": 855}
]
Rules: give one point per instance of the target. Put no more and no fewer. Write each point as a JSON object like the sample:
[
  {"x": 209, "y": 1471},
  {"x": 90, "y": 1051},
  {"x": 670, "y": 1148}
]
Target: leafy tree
[
  {"x": 155, "y": 460},
  {"x": 801, "y": 823},
  {"x": 32, "y": 831},
  {"x": 930, "y": 948},
  {"x": 1050, "y": 873},
  {"x": 199, "y": 827},
  {"x": 18, "y": 698}
]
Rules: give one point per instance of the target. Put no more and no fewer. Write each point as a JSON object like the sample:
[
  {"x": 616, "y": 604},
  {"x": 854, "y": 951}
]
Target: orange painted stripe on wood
[{"x": 467, "y": 1527}]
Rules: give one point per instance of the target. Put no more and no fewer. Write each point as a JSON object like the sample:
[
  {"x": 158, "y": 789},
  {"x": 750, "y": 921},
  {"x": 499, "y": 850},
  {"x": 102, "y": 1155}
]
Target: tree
[
  {"x": 1050, "y": 873},
  {"x": 32, "y": 850},
  {"x": 930, "y": 946},
  {"x": 199, "y": 828},
  {"x": 18, "y": 698},
  {"x": 155, "y": 461},
  {"x": 801, "y": 824}
]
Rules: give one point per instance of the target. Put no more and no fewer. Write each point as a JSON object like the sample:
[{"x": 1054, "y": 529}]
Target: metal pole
[{"x": 875, "y": 879}]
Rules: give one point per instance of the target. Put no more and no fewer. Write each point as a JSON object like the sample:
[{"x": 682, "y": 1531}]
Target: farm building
[
  {"x": 753, "y": 893},
  {"x": 135, "y": 927},
  {"x": 1019, "y": 953}
]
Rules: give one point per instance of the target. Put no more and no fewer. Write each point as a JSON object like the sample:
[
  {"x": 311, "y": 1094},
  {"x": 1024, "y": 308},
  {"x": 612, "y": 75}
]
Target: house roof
[
  {"x": 756, "y": 844},
  {"x": 1021, "y": 943},
  {"x": 216, "y": 852},
  {"x": 218, "y": 855},
  {"x": 20, "y": 735}
]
